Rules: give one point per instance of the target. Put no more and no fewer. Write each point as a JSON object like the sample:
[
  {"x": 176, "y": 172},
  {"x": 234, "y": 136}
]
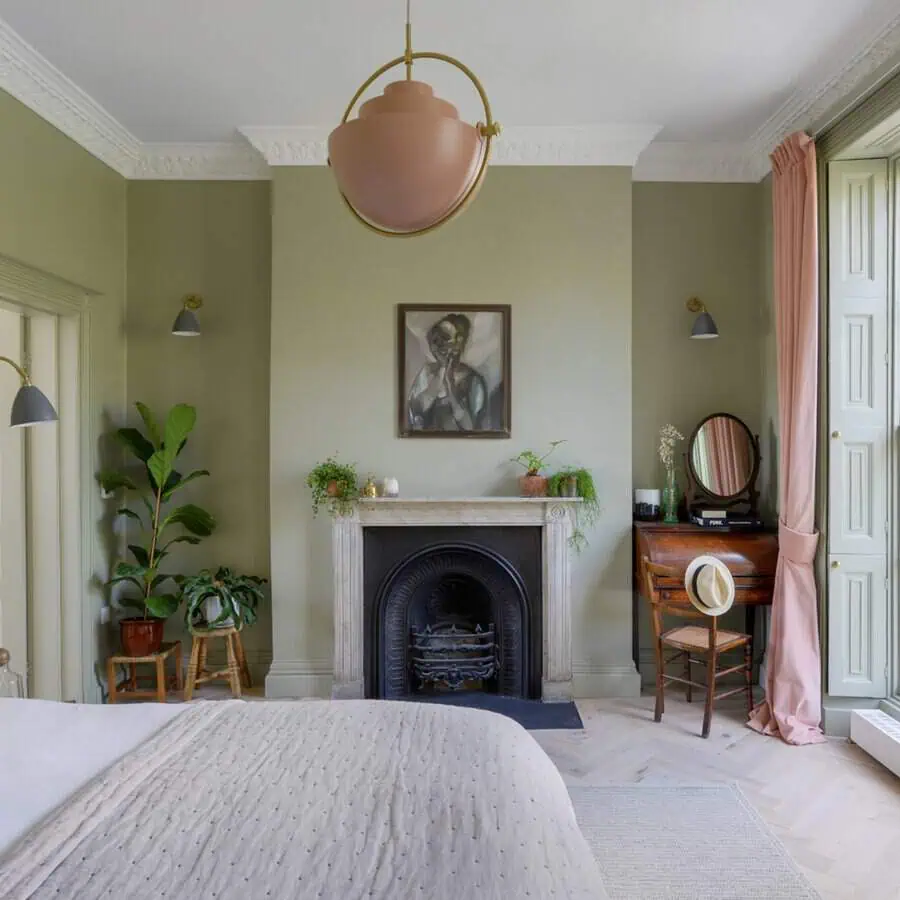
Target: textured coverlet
[{"x": 343, "y": 800}]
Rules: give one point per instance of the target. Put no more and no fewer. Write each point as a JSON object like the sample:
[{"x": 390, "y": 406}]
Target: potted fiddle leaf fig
[
  {"x": 151, "y": 493},
  {"x": 220, "y": 599}
]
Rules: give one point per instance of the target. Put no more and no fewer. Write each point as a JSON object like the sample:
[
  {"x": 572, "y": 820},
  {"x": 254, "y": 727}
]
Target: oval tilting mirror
[{"x": 723, "y": 456}]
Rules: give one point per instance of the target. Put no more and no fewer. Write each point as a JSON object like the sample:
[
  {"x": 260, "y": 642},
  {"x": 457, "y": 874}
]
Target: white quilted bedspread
[{"x": 344, "y": 800}]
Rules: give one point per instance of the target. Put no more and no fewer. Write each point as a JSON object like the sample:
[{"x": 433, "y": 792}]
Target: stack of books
[{"x": 720, "y": 518}]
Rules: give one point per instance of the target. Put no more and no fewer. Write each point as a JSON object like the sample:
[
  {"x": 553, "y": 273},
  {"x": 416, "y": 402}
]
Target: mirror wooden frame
[{"x": 698, "y": 496}]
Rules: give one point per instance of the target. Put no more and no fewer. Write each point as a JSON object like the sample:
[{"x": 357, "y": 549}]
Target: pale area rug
[{"x": 685, "y": 843}]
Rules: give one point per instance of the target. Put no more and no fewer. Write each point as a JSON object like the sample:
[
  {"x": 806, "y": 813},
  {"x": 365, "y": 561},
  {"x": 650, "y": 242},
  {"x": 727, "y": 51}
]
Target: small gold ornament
[{"x": 369, "y": 488}]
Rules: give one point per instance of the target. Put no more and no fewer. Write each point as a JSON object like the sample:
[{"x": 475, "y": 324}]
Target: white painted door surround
[
  {"x": 13, "y": 557},
  {"x": 554, "y": 516},
  {"x": 60, "y": 483}
]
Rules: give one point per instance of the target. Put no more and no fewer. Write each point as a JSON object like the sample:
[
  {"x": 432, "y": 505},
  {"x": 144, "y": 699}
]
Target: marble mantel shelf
[
  {"x": 555, "y": 516},
  {"x": 470, "y": 499},
  {"x": 372, "y": 511}
]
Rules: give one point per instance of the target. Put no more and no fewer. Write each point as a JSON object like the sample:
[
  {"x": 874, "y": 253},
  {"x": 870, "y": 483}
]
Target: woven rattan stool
[{"x": 236, "y": 674}]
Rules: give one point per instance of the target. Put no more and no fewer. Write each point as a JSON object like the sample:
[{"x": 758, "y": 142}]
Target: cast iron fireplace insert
[{"x": 452, "y": 608}]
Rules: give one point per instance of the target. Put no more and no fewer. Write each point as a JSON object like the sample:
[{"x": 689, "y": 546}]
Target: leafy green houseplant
[
  {"x": 577, "y": 482},
  {"x": 220, "y": 599},
  {"x": 335, "y": 485},
  {"x": 156, "y": 451},
  {"x": 533, "y": 483}
]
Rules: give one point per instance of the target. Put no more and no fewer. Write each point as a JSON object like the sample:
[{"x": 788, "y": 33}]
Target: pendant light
[{"x": 407, "y": 164}]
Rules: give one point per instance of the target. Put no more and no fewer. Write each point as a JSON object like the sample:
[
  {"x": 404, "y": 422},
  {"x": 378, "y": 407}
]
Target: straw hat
[{"x": 709, "y": 585}]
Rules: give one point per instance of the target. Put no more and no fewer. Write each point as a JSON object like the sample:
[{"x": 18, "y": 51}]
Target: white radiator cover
[{"x": 879, "y": 735}]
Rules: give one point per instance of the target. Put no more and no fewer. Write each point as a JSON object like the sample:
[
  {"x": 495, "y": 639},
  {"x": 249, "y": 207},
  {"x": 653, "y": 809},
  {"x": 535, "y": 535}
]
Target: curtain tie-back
[{"x": 797, "y": 546}]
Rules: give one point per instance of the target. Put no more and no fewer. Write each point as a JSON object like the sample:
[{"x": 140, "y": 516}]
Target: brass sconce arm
[
  {"x": 192, "y": 302},
  {"x": 21, "y": 372},
  {"x": 695, "y": 305}
]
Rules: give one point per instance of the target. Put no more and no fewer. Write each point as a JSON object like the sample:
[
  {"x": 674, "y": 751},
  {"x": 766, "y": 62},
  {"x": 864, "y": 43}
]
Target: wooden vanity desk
[{"x": 750, "y": 555}]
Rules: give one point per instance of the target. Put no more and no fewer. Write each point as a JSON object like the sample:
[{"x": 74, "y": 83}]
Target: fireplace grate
[{"x": 453, "y": 656}]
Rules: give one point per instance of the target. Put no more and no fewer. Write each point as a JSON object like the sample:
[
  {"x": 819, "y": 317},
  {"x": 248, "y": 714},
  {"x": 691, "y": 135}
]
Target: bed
[{"x": 335, "y": 800}]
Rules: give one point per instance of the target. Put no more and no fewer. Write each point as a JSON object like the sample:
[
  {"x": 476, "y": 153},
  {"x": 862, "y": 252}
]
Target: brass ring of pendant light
[{"x": 488, "y": 130}]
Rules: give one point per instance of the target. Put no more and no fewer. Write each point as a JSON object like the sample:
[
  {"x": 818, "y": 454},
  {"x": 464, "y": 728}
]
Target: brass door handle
[
  {"x": 835, "y": 565},
  {"x": 835, "y": 434}
]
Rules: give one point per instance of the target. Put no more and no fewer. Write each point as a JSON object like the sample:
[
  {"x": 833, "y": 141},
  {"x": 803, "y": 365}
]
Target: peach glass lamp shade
[{"x": 407, "y": 162}]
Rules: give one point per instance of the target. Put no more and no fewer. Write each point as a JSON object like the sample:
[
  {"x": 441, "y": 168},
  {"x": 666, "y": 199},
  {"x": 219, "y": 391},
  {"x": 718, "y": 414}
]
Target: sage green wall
[
  {"x": 214, "y": 239},
  {"x": 63, "y": 212},
  {"x": 555, "y": 243},
  {"x": 700, "y": 240},
  {"x": 694, "y": 240}
]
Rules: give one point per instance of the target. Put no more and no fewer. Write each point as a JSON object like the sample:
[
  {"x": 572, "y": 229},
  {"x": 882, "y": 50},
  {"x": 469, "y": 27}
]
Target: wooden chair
[
  {"x": 699, "y": 645},
  {"x": 236, "y": 672}
]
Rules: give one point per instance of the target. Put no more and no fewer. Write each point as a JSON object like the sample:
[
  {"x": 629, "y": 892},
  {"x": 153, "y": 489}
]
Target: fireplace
[
  {"x": 452, "y": 609},
  {"x": 509, "y": 556}
]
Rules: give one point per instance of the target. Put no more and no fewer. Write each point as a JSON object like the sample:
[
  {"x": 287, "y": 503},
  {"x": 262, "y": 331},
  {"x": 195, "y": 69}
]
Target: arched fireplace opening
[{"x": 453, "y": 616}]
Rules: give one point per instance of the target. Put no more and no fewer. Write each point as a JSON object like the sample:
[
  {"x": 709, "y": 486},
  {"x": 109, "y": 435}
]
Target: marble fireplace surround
[{"x": 556, "y": 518}]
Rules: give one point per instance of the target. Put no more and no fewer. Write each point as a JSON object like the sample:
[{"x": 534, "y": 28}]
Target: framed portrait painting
[{"x": 454, "y": 370}]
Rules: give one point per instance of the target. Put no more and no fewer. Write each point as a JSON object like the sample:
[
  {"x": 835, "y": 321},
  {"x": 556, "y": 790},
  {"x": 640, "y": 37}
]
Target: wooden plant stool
[
  {"x": 158, "y": 659},
  {"x": 236, "y": 673}
]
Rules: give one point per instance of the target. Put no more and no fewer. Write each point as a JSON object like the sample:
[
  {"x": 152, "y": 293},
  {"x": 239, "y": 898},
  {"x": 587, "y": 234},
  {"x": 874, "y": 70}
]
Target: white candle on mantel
[{"x": 390, "y": 488}]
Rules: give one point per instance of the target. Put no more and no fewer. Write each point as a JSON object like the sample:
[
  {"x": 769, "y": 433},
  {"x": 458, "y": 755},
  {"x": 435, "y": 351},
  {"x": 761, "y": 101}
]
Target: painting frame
[{"x": 501, "y": 410}]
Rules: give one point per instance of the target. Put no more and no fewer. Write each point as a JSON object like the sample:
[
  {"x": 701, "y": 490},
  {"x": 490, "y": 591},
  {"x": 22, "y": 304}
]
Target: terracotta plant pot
[
  {"x": 141, "y": 637},
  {"x": 333, "y": 489},
  {"x": 533, "y": 486}
]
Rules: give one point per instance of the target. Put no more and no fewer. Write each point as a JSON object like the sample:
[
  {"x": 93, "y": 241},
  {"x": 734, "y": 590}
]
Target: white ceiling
[{"x": 715, "y": 73}]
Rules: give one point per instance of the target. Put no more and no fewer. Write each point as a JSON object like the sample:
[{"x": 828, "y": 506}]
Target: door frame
[
  {"x": 64, "y": 622},
  {"x": 893, "y": 656}
]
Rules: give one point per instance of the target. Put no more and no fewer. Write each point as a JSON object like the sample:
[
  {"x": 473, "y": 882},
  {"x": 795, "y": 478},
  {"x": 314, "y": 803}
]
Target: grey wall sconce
[
  {"x": 186, "y": 324},
  {"x": 30, "y": 406},
  {"x": 704, "y": 326}
]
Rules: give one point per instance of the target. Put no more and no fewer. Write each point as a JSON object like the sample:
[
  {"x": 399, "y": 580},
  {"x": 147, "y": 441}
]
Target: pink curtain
[
  {"x": 729, "y": 455},
  {"x": 793, "y": 704}
]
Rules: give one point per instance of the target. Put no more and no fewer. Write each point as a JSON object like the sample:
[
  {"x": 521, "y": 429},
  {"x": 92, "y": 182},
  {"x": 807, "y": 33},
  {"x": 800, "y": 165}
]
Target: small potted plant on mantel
[
  {"x": 156, "y": 451},
  {"x": 335, "y": 485},
  {"x": 533, "y": 483},
  {"x": 577, "y": 482}
]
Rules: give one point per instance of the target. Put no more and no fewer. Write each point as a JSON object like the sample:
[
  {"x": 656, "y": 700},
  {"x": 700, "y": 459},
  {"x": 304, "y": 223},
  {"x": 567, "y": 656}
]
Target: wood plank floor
[{"x": 836, "y": 810}]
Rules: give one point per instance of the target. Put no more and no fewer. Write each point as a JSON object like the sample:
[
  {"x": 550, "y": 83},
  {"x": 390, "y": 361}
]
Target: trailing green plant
[
  {"x": 588, "y": 511},
  {"x": 156, "y": 451},
  {"x": 238, "y": 597},
  {"x": 334, "y": 484},
  {"x": 531, "y": 462}
]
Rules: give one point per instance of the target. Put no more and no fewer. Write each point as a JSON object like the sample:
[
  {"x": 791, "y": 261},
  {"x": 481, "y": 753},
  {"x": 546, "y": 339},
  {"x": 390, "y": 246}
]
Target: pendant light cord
[{"x": 407, "y": 56}]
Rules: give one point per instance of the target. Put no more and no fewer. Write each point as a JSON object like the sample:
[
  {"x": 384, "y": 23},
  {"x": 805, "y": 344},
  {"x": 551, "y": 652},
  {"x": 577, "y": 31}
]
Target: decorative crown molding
[
  {"x": 839, "y": 81},
  {"x": 575, "y": 145},
  {"x": 518, "y": 145},
  {"x": 870, "y": 51},
  {"x": 200, "y": 162},
  {"x": 301, "y": 145},
  {"x": 687, "y": 161},
  {"x": 38, "y": 84}
]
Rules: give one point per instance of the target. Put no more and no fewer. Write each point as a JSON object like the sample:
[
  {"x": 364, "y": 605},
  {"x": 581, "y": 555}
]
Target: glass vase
[{"x": 670, "y": 499}]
